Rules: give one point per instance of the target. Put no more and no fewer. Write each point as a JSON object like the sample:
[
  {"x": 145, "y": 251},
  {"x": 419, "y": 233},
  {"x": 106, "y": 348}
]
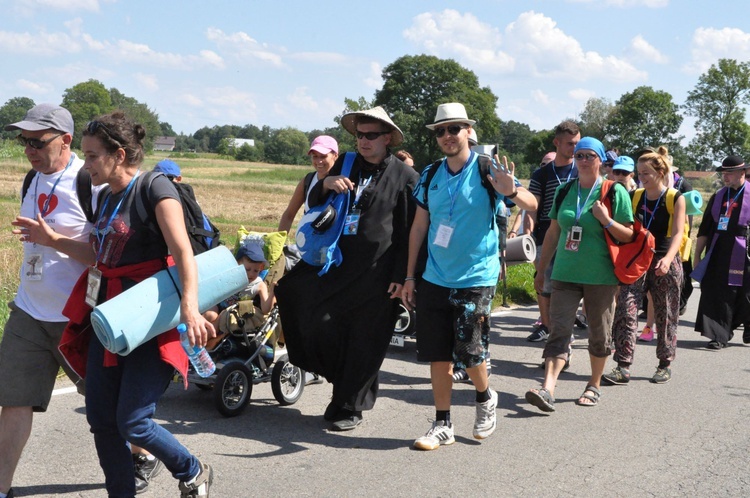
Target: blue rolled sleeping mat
[{"x": 152, "y": 306}]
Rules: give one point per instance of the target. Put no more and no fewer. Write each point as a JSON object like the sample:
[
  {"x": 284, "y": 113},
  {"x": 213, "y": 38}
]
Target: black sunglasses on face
[
  {"x": 581, "y": 156},
  {"x": 370, "y": 135},
  {"x": 36, "y": 143},
  {"x": 620, "y": 172},
  {"x": 452, "y": 129}
]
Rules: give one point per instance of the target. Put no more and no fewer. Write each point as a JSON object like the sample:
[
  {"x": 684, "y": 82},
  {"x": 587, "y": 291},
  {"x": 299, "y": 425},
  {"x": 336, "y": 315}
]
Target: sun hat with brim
[
  {"x": 453, "y": 112},
  {"x": 593, "y": 144},
  {"x": 693, "y": 202},
  {"x": 473, "y": 138},
  {"x": 732, "y": 163},
  {"x": 348, "y": 122},
  {"x": 624, "y": 163},
  {"x": 45, "y": 117}
]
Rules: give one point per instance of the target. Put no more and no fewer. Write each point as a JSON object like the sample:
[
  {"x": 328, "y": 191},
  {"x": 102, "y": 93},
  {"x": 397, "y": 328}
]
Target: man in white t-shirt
[{"x": 29, "y": 358}]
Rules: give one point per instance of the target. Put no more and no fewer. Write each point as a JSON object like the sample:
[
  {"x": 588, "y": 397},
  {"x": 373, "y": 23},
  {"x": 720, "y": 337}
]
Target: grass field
[{"x": 233, "y": 193}]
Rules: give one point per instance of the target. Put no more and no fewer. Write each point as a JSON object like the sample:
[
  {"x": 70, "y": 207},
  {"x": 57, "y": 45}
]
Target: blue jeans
[{"x": 120, "y": 405}]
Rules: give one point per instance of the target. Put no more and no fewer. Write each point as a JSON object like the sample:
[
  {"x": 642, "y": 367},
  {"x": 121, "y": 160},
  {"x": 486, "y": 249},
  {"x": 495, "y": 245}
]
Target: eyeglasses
[
  {"x": 620, "y": 172},
  {"x": 370, "y": 135},
  {"x": 581, "y": 156},
  {"x": 452, "y": 129},
  {"x": 36, "y": 143}
]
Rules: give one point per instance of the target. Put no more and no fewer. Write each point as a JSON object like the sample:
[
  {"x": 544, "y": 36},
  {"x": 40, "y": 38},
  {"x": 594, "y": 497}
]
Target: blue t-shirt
[{"x": 471, "y": 258}]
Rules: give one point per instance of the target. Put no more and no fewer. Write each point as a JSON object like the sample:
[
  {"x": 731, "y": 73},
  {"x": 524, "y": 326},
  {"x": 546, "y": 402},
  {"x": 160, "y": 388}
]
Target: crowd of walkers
[{"x": 432, "y": 240}]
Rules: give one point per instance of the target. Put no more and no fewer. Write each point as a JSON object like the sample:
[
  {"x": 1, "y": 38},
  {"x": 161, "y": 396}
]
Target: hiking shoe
[
  {"x": 618, "y": 376},
  {"x": 460, "y": 375},
  {"x": 486, "y": 419},
  {"x": 540, "y": 334},
  {"x": 647, "y": 335},
  {"x": 145, "y": 470},
  {"x": 662, "y": 376},
  {"x": 581, "y": 321},
  {"x": 200, "y": 486},
  {"x": 439, "y": 434}
]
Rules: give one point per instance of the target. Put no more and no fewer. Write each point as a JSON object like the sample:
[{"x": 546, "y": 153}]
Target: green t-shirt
[{"x": 591, "y": 264}]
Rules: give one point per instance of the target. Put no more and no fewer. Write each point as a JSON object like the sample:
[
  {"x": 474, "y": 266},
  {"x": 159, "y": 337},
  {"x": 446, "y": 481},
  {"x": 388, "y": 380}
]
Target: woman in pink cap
[{"x": 324, "y": 150}]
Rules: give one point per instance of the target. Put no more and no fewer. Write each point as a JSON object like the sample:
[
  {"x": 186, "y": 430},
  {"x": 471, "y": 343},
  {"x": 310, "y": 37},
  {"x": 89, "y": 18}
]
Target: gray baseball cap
[{"x": 45, "y": 117}]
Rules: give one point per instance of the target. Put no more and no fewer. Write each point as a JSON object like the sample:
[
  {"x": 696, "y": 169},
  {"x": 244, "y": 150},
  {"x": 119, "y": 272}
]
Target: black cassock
[{"x": 339, "y": 325}]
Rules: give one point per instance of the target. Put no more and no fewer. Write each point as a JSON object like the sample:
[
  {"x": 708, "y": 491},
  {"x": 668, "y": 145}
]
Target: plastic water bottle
[{"x": 198, "y": 356}]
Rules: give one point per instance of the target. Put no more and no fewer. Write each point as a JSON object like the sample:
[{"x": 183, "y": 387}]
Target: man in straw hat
[
  {"x": 339, "y": 325},
  {"x": 455, "y": 294},
  {"x": 724, "y": 271}
]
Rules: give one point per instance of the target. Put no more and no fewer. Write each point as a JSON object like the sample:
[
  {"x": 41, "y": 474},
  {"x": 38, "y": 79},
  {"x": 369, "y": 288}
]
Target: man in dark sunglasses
[
  {"x": 456, "y": 220},
  {"x": 28, "y": 351}
]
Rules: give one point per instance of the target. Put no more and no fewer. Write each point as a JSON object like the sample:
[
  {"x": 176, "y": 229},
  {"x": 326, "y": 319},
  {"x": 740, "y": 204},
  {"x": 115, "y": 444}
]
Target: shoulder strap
[
  {"x": 484, "y": 162},
  {"x": 563, "y": 192},
  {"x": 346, "y": 168},
  {"x": 637, "y": 198},
  {"x": 142, "y": 205},
  {"x": 308, "y": 180},
  {"x": 27, "y": 183},
  {"x": 83, "y": 190},
  {"x": 432, "y": 169}
]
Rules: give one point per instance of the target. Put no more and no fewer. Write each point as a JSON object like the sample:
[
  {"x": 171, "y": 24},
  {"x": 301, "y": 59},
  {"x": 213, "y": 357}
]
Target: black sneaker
[
  {"x": 349, "y": 420},
  {"x": 200, "y": 486},
  {"x": 145, "y": 471},
  {"x": 540, "y": 334}
]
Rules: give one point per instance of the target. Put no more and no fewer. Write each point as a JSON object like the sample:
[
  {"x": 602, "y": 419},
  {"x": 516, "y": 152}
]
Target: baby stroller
[
  {"x": 250, "y": 350},
  {"x": 246, "y": 355}
]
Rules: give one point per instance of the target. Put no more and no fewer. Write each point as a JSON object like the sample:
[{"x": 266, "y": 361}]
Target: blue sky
[{"x": 292, "y": 63}]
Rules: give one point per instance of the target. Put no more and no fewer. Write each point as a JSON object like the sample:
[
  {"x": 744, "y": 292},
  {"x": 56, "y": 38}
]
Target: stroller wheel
[
  {"x": 233, "y": 388},
  {"x": 287, "y": 381},
  {"x": 404, "y": 321}
]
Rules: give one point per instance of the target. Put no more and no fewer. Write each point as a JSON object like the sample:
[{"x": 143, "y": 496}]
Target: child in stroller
[{"x": 249, "y": 348}]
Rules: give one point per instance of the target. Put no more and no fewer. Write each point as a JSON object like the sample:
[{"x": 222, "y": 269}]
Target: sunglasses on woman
[
  {"x": 620, "y": 172},
  {"x": 583, "y": 156},
  {"x": 452, "y": 129},
  {"x": 36, "y": 143}
]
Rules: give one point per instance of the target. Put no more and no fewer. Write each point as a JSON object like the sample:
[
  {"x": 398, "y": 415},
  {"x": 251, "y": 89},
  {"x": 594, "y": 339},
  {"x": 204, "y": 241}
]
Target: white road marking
[{"x": 65, "y": 390}]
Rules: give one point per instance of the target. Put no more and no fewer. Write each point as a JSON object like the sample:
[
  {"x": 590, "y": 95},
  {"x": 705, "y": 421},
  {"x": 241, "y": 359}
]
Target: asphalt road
[{"x": 684, "y": 438}]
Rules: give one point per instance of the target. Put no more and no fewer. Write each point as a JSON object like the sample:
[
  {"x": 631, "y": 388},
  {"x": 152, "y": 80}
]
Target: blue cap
[
  {"x": 252, "y": 251},
  {"x": 624, "y": 163},
  {"x": 591, "y": 143},
  {"x": 168, "y": 167},
  {"x": 611, "y": 156}
]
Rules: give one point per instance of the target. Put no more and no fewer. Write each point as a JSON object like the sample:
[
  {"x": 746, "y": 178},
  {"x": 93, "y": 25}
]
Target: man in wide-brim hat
[
  {"x": 339, "y": 325},
  {"x": 723, "y": 270}
]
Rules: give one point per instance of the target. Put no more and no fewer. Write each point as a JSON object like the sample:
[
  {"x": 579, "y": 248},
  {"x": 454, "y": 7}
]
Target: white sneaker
[
  {"x": 486, "y": 419},
  {"x": 440, "y": 433}
]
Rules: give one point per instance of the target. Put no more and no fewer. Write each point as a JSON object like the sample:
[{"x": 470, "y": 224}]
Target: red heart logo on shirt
[{"x": 52, "y": 204}]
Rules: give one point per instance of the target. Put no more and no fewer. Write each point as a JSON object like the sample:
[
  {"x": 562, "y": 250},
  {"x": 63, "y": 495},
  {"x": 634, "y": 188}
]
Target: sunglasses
[
  {"x": 36, "y": 143},
  {"x": 452, "y": 129},
  {"x": 370, "y": 135},
  {"x": 620, "y": 172},
  {"x": 582, "y": 156}
]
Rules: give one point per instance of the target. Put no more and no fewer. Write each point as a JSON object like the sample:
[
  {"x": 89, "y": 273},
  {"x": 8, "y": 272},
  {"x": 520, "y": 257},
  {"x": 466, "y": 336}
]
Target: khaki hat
[
  {"x": 452, "y": 112},
  {"x": 348, "y": 119}
]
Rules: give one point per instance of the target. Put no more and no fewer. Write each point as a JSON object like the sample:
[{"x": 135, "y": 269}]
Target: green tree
[
  {"x": 718, "y": 102},
  {"x": 166, "y": 129},
  {"x": 287, "y": 146},
  {"x": 139, "y": 113},
  {"x": 594, "y": 117},
  {"x": 13, "y": 111},
  {"x": 85, "y": 101},
  {"x": 413, "y": 88},
  {"x": 643, "y": 117},
  {"x": 346, "y": 140}
]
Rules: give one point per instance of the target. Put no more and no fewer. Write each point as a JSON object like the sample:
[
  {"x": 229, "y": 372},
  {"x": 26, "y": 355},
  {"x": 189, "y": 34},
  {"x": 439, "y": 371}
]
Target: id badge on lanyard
[
  {"x": 573, "y": 241},
  {"x": 444, "y": 233},
  {"x": 351, "y": 223},
  {"x": 94, "y": 283}
]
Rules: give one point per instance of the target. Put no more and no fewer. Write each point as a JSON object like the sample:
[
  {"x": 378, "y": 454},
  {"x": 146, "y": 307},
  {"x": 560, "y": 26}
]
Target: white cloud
[
  {"x": 462, "y": 37},
  {"x": 540, "y": 97},
  {"x": 34, "y": 87},
  {"x": 301, "y": 100},
  {"x": 641, "y": 50},
  {"x": 140, "y": 53},
  {"x": 241, "y": 45},
  {"x": 542, "y": 49},
  {"x": 581, "y": 94},
  {"x": 320, "y": 58},
  {"x": 375, "y": 79},
  {"x": 147, "y": 81},
  {"x": 190, "y": 100},
  {"x": 41, "y": 43},
  {"x": 710, "y": 44}
]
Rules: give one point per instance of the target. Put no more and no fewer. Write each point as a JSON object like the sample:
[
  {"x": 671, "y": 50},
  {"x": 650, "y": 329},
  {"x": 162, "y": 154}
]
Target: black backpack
[
  {"x": 484, "y": 163},
  {"x": 83, "y": 189},
  {"x": 202, "y": 232}
]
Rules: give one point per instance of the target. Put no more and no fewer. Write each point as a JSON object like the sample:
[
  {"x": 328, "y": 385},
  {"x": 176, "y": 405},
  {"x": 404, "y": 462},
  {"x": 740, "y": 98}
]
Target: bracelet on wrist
[
  {"x": 513, "y": 195},
  {"x": 410, "y": 278},
  {"x": 611, "y": 222}
]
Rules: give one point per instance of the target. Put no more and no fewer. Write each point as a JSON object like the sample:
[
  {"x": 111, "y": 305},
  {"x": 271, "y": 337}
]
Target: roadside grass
[{"x": 234, "y": 194}]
